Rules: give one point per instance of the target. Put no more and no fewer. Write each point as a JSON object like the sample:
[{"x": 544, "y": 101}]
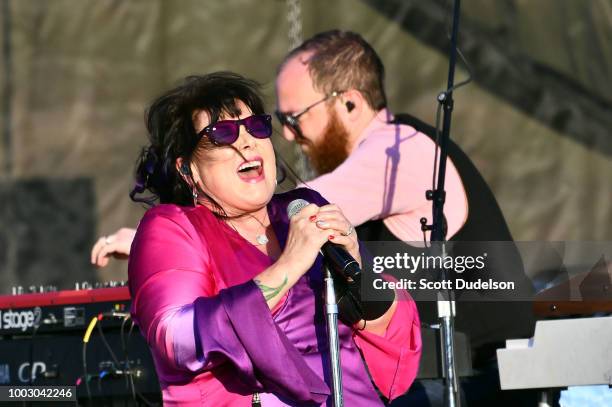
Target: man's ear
[{"x": 353, "y": 102}]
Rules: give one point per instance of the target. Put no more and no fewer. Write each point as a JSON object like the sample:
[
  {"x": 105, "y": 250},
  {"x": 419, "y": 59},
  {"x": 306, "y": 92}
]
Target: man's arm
[{"x": 115, "y": 245}]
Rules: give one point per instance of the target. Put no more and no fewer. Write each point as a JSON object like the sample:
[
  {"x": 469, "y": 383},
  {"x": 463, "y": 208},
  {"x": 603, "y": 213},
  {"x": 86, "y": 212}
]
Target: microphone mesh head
[{"x": 295, "y": 206}]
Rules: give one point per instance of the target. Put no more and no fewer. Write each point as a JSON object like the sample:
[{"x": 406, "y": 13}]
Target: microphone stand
[
  {"x": 446, "y": 307},
  {"x": 331, "y": 311}
]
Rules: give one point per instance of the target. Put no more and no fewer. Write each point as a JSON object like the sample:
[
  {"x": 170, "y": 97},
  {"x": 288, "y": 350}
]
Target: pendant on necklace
[{"x": 262, "y": 239}]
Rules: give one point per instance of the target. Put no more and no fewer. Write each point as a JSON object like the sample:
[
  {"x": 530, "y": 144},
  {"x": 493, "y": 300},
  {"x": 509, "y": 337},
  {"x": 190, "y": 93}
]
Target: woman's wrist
[
  {"x": 275, "y": 281},
  {"x": 293, "y": 266},
  {"x": 271, "y": 291}
]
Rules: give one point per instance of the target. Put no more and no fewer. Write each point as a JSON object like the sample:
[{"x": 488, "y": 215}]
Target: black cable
[
  {"x": 133, "y": 388},
  {"x": 448, "y": 23},
  {"x": 286, "y": 167},
  {"x": 85, "y": 375},
  {"x": 436, "y": 148},
  {"x": 116, "y": 361},
  {"x": 108, "y": 347},
  {"x": 469, "y": 69},
  {"x": 129, "y": 334},
  {"x": 441, "y": 98},
  {"x": 126, "y": 356},
  {"x": 123, "y": 344},
  {"x": 146, "y": 401},
  {"x": 139, "y": 394},
  {"x": 127, "y": 360}
]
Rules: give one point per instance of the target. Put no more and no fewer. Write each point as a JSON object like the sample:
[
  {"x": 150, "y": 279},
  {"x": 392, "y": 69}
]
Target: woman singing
[{"x": 225, "y": 288}]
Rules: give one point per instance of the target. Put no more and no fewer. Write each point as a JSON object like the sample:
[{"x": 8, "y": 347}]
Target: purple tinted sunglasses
[{"x": 225, "y": 132}]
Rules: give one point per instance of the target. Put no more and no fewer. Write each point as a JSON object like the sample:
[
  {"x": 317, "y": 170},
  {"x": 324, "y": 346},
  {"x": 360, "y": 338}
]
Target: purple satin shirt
[{"x": 213, "y": 338}]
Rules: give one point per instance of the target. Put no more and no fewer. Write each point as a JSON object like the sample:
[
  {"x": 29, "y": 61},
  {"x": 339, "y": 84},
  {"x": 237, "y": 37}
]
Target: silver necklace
[{"x": 261, "y": 239}]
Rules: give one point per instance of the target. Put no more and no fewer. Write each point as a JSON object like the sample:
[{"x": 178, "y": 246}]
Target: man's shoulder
[
  {"x": 391, "y": 141},
  {"x": 393, "y": 134}
]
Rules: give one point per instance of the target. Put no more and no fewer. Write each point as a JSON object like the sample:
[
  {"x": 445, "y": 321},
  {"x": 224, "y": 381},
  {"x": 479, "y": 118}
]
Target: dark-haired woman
[{"x": 225, "y": 288}]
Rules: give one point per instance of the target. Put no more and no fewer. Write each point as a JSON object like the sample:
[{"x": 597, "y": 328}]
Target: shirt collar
[{"x": 382, "y": 118}]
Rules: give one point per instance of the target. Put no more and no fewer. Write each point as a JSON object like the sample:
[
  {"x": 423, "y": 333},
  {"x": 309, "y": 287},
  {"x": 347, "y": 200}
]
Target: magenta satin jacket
[{"x": 213, "y": 338}]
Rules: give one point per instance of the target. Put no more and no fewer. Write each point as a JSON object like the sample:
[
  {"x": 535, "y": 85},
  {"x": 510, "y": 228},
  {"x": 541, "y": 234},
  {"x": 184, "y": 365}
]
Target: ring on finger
[
  {"x": 349, "y": 232},
  {"x": 107, "y": 240}
]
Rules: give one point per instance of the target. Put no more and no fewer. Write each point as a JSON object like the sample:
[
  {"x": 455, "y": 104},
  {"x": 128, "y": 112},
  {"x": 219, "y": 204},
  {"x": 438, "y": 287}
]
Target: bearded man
[{"x": 377, "y": 167}]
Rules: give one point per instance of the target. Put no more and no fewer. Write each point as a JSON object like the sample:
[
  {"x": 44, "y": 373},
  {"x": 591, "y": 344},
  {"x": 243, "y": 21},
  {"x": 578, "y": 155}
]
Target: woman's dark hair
[{"x": 172, "y": 135}]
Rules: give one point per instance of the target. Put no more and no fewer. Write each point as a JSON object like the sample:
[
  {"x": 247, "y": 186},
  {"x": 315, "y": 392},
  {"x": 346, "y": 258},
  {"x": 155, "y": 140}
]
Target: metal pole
[
  {"x": 446, "y": 315},
  {"x": 446, "y": 307},
  {"x": 331, "y": 310}
]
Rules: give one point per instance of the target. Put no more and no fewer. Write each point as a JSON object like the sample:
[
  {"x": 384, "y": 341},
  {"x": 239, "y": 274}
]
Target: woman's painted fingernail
[
  {"x": 331, "y": 237},
  {"x": 312, "y": 218}
]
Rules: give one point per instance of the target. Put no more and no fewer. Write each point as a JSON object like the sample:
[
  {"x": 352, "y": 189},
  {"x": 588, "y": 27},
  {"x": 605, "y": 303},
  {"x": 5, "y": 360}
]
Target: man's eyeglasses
[
  {"x": 225, "y": 132},
  {"x": 292, "y": 120}
]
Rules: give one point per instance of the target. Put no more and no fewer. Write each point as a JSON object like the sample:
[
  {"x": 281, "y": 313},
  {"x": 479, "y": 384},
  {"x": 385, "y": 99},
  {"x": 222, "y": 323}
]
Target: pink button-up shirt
[{"x": 385, "y": 177}]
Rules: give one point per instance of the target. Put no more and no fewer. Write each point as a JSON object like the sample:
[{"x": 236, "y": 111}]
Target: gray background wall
[{"x": 76, "y": 76}]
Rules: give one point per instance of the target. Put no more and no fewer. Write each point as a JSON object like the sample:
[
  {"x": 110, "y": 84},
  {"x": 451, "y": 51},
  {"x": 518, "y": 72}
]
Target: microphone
[{"x": 338, "y": 259}]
